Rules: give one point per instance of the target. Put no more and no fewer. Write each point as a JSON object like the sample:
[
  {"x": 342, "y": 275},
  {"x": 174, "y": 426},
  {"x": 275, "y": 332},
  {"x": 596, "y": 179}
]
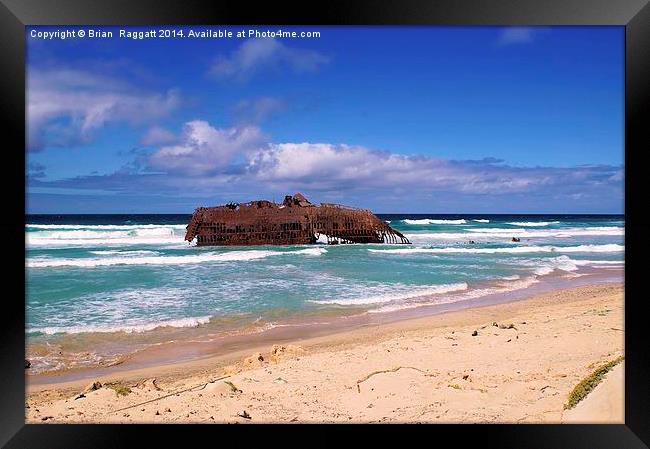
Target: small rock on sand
[
  {"x": 244, "y": 414},
  {"x": 474, "y": 334},
  {"x": 254, "y": 359},
  {"x": 96, "y": 385}
]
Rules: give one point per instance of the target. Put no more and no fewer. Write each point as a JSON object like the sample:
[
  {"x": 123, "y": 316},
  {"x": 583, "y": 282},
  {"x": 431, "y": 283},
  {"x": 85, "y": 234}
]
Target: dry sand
[{"x": 429, "y": 369}]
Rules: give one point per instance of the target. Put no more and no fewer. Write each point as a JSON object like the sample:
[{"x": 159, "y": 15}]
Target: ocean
[{"x": 100, "y": 286}]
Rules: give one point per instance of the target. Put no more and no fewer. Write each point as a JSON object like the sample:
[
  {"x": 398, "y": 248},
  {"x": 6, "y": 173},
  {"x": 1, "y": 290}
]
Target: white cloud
[
  {"x": 204, "y": 150},
  {"x": 255, "y": 55},
  {"x": 66, "y": 107},
  {"x": 243, "y": 155}
]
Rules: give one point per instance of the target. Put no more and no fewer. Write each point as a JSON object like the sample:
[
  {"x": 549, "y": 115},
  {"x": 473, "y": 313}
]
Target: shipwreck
[{"x": 294, "y": 222}]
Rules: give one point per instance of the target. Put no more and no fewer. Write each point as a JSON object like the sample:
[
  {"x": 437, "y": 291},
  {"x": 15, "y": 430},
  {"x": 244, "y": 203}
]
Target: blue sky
[{"x": 397, "y": 119}]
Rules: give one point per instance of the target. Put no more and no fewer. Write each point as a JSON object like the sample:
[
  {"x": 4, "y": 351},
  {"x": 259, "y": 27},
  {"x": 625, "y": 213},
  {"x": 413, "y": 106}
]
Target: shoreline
[
  {"x": 301, "y": 357},
  {"x": 188, "y": 345}
]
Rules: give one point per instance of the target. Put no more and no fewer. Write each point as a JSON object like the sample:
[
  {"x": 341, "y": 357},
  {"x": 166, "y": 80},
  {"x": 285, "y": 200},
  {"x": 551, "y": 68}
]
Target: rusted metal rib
[{"x": 294, "y": 222}]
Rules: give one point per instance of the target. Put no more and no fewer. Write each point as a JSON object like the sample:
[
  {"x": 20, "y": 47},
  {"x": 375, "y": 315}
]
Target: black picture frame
[{"x": 634, "y": 15}]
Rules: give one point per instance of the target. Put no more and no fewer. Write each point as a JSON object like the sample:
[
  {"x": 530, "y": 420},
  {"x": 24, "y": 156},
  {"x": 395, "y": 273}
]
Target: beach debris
[
  {"x": 509, "y": 340},
  {"x": 81, "y": 396},
  {"x": 168, "y": 410},
  {"x": 175, "y": 393},
  {"x": 281, "y": 350},
  {"x": 96, "y": 385},
  {"x": 475, "y": 333},
  {"x": 278, "y": 349},
  {"x": 45, "y": 418},
  {"x": 28, "y": 364},
  {"x": 466, "y": 376},
  {"x": 232, "y": 386},
  {"x": 495, "y": 324},
  {"x": 294, "y": 419},
  {"x": 280, "y": 380},
  {"x": 157, "y": 413},
  {"x": 254, "y": 359},
  {"x": 244, "y": 414},
  {"x": 392, "y": 370},
  {"x": 507, "y": 326},
  {"x": 515, "y": 239},
  {"x": 149, "y": 384}
]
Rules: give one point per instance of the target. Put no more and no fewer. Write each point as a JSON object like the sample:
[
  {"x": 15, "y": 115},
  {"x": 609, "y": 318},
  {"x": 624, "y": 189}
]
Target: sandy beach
[{"x": 505, "y": 363}]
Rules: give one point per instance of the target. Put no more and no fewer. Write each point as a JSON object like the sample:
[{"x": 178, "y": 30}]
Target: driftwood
[
  {"x": 391, "y": 370},
  {"x": 202, "y": 385}
]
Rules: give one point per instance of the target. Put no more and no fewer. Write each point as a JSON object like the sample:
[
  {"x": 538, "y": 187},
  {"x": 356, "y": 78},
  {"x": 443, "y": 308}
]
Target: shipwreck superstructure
[{"x": 294, "y": 222}]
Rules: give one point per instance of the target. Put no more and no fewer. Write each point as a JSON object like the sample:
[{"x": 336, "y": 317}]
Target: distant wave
[
  {"x": 231, "y": 256},
  {"x": 521, "y": 233},
  {"x": 108, "y": 236},
  {"x": 482, "y": 221},
  {"x": 514, "y": 249},
  {"x": 104, "y": 227},
  {"x": 124, "y": 253},
  {"x": 426, "y": 221},
  {"x": 533, "y": 223},
  {"x": 416, "y": 292}
]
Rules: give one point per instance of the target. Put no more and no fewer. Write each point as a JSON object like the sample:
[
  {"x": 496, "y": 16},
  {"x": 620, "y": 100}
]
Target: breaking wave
[
  {"x": 387, "y": 297},
  {"x": 231, "y": 256},
  {"x": 129, "y": 328},
  {"x": 533, "y": 223},
  {"x": 608, "y": 248},
  {"x": 521, "y": 233},
  {"x": 427, "y": 221},
  {"x": 104, "y": 227}
]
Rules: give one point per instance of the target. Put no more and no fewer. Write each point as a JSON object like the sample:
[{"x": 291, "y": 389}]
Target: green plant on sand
[
  {"x": 120, "y": 390},
  {"x": 586, "y": 385}
]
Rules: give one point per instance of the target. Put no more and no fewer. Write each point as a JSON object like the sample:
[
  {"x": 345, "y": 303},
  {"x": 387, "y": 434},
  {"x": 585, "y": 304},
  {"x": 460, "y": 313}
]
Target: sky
[{"x": 395, "y": 119}]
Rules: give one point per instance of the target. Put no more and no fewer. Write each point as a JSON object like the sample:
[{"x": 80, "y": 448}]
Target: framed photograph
[{"x": 357, "y": 213}]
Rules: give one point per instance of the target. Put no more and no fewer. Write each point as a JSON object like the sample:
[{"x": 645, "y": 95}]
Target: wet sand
[{"x": 426, "y": 369}]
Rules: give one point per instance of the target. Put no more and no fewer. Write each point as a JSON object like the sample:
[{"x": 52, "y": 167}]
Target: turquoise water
[{"x": 135, "y": 273}]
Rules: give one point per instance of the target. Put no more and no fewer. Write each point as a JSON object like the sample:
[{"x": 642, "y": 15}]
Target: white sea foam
[
  {"x": 462, "y": 296},
  {"x": 481, "y": 220},
  {"x": 608, "y": 248},
  {"x": 387, "y": 297},
  {"x": 129, "y": 328},
  {"x": 511, "y": 278},
  {"x": 427, "y": 221},
  {"x": 547, "y": 266},
  {"x": 563, "y": 263},
  {"x": 533, "y": 223},
  {"x": 476, "y": 234},
  {"x": 107, "y": 235},
  {"x": 124, "y": 253},
  {"x": 104, "y": 227},
  {"x": 311, "y": 251},
  {"x": 231, "y": 256}
]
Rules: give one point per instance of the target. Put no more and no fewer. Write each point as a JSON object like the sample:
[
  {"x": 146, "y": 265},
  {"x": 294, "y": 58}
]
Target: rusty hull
[{"x": 294, "y": 222}]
